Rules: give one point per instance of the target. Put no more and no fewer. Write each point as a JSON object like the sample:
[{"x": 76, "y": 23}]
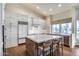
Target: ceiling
[
  {"x": 54, "y": 6},
  {"x": 43, "y": 9}
]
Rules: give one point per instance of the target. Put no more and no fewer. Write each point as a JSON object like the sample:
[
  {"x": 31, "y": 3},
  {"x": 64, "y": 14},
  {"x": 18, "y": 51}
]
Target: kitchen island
[{"x": 34, "y": 41}]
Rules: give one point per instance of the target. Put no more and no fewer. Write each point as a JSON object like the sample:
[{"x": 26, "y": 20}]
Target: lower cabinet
[{"x": 66, "y": 40}]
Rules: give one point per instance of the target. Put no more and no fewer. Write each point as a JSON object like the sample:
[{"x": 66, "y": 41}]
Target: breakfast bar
[{"x": 34, "y": 42}]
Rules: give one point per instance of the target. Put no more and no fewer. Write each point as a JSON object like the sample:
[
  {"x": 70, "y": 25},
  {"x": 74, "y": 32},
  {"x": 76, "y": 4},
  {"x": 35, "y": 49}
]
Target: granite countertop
[
  {"x": 66, "y": 34},
  {"x": 42, "y": 38}
]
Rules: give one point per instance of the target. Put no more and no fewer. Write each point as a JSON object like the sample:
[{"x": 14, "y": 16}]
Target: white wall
[{"x": 1, "y": 48}]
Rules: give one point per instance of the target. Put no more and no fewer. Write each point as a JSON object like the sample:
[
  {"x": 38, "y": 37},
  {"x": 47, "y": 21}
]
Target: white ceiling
[
  {"x": 43, "y": 7},
  {"x": 54, "y": 6}
]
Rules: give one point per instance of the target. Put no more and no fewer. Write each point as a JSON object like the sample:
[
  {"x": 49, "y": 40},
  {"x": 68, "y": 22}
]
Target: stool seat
[{"x": 48, "y": 48}]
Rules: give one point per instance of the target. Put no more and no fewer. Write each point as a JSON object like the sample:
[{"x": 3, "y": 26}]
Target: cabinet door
[
  {"x": 23, "y": 29},
  {"x": 66, "y": 40}
]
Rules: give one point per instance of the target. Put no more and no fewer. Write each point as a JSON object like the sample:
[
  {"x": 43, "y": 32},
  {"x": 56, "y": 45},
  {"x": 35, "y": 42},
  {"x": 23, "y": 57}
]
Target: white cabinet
[
  {"x": 23, "y": 31},
  {"x": 10, "y": 32}
]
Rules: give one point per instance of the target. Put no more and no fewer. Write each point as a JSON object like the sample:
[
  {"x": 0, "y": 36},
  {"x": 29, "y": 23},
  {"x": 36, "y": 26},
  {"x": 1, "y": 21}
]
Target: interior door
[{"x": 23, "y": 31}]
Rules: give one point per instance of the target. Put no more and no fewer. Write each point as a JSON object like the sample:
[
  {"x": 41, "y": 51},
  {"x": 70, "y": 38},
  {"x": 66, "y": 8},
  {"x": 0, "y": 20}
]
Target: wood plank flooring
[{"x": 21, "y": 51}]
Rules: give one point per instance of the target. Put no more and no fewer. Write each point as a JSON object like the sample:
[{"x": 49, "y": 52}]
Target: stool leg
[
  {"x": 61, "y": 49},
  {"x": 52, "y": 49},
  {"x": 58, "y": 49},
  {"x": 37, "y": 49},
  {"x": 43, "y": 51}
]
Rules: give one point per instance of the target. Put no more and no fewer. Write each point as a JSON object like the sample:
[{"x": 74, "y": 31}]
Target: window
[
  {"x": 66, "y": 28},
  {"x": 77, "y": 35},
  {"x": 56, "y": 28}
]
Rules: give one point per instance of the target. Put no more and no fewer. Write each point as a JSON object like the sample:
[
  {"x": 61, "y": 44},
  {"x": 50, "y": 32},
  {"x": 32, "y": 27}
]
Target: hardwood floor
[
  {"x": 16, "y": 51},
  {"x": 21, "y": 51}
]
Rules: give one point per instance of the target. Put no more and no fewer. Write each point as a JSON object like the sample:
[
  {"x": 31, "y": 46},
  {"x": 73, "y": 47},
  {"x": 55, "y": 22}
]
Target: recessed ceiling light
[
  {"x": 59, "y": 5},
  {"x": 50, "y": 9},
  {"x": 37, "y": 7}
]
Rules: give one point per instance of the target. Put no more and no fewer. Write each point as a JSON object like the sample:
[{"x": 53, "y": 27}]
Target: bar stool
[
  {"x": 61, "y": 44},
  {"x": 57, "y": 44},
  {"x": 55, "y": 47},
  {"x": 45, "y": 48}
]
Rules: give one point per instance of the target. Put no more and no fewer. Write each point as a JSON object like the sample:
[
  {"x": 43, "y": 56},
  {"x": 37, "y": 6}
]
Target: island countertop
[{"x": 42, "y": 38}]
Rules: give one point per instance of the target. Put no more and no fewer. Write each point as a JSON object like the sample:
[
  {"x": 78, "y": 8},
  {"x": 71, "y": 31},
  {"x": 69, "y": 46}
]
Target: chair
[
  {"x": 55, "y": 47},
  {"x": 45, "y": 48},
  {"x": 61, "y": 44},
  {"x": 57, "y": 44}
]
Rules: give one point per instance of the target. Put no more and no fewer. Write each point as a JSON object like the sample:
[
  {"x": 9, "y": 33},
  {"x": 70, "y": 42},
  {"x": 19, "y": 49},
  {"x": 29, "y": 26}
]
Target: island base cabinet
[{"x": 31, "y": 47}]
